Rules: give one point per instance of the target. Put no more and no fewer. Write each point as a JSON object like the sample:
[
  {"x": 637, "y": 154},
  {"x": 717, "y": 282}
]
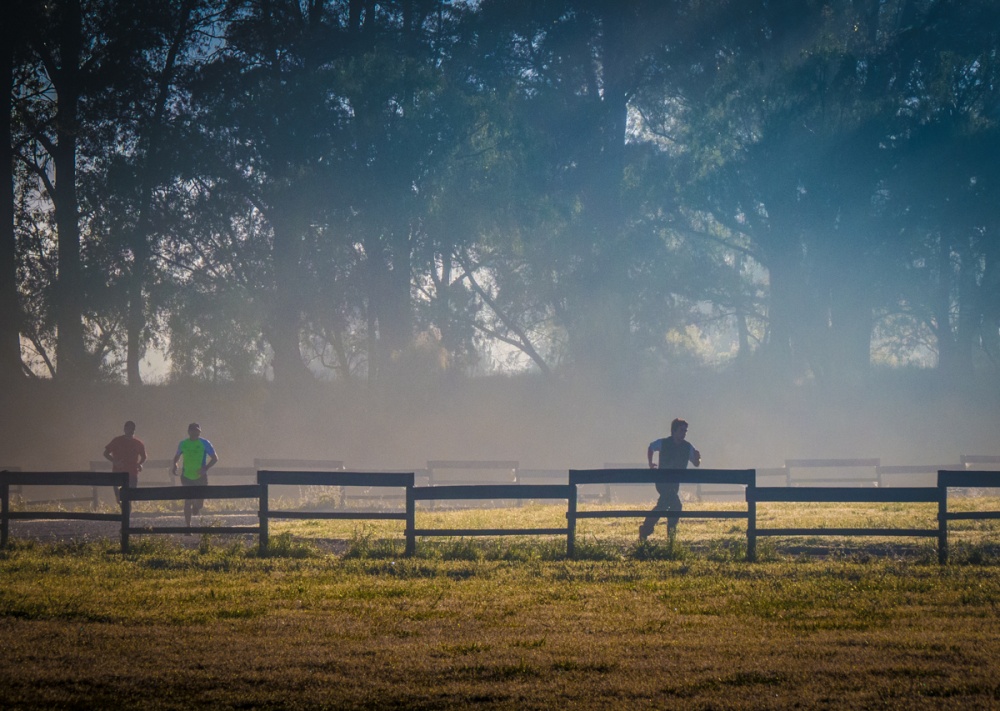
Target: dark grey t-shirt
[{"x": 673, "y": 455}]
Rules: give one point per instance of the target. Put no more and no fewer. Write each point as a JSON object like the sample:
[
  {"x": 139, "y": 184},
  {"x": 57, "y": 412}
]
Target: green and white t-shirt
[{"x": 194, "y": 453}]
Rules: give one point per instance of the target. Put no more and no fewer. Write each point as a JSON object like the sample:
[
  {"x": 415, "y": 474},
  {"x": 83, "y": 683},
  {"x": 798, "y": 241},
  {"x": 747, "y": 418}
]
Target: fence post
[
  {"x": 942, "y": 521},
  {"x": 411, "y": 521},
  {"x": 571, "y": 522},
  {"x": 263, "y": 536},
  {"x": 126, "y": 508},
  {"x": 752, "y": 519},
  {"x": 4, "y": 513}
]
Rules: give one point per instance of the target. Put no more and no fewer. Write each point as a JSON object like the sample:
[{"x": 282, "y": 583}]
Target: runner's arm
[{"x": 695, "y": 456}]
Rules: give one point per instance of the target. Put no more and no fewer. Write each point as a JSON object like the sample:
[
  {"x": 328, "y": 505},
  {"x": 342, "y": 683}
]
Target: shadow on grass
[
  {"x": 985, "y": 554},
  {"x": 284, "y": 546}
]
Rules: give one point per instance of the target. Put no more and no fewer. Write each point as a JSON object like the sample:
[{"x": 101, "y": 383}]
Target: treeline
[{"x": 293, "y": 188}]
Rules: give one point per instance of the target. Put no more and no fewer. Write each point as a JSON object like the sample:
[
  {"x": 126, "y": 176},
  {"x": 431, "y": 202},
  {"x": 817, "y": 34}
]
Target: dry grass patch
[{"x": 498, "y": 625}]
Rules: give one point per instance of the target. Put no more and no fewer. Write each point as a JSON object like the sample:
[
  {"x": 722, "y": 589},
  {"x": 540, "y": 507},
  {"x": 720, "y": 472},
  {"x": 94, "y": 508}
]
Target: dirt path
[{"x": 60, "y": 531}]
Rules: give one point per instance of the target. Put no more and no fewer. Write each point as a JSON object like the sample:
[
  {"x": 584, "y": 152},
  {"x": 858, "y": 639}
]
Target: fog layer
[{"x": 541, "y": 424}]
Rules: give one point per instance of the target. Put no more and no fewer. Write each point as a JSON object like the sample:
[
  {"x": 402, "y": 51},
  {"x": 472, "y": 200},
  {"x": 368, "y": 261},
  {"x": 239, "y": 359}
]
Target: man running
[
  {"x": 199, "y": 456},
  {"x": 675, "y": 453},
  {"x": 126, "y": 452}
]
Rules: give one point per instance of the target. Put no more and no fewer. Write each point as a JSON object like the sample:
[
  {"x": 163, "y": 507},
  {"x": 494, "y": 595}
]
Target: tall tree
[
  {"x": 81, "y": 51},
  {"x": 62, "y": 55},
  {"x": 575, "y": 66},
  {"x": 179, "y": 30},
  {"x": 11, "y": 368},
  {"x": 268, "y": 118}
]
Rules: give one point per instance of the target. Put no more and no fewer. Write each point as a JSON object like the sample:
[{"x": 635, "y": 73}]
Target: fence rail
[
  {"x": 322, "y": 465},
  {"x": 607, "y": 477},
  {"x": 962, "y": 478},
  {"x": 834, "y": 494},
  {"x": 469, "y": 492},
  {"x": 946, "y": 479},
  {"x": 184, "y": 493},
  {"x": 872, "y": 463},
  {"x": 975, "y": 460},
  {"x": 912, "y": 473},
  {"x": 29, "y": 479},
  {"x": 267, "y": 478}
]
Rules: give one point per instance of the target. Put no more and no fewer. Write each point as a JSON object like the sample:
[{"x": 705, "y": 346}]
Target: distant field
[{"x": 507, "y": 623}]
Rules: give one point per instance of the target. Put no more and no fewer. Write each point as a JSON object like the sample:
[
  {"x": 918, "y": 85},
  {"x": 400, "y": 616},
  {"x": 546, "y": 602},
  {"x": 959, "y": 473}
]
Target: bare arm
[
  {"x": 212, "y": 461},
  {"x": 695, "y": 456},
  {"x": 649, "y": 457}
]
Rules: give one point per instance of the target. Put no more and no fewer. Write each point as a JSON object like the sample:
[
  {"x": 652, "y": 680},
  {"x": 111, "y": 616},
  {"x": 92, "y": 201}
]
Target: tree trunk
[
  {"x": 66, "y": 79},
  {"x": 149, "y": 176},
  {"x": 286, "y": 318},
  {"x": 11, "y": 368},
  {"x": 851, "y": 325},
  {"x": 784, "y": 302},
  {"x": 602, "y": 339},
  {"x": 949, "y": 349},
  {"x": 389, "y": 299},
  {"x": 70, "y": 350},
  {"x": 136, "y": 318}
]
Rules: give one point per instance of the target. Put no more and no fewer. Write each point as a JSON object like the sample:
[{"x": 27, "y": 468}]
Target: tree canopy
[{"x": 351, "y": 189}]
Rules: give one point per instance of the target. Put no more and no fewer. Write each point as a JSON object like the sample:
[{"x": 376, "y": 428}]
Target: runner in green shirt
[{"x": 198, "y": 457}]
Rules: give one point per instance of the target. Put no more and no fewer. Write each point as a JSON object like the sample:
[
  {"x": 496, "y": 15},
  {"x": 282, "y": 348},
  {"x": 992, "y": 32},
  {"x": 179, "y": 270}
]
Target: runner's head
[
  {"x": 130, "y": 428},
  {"x": 194, "y": 430},
  {"x": 678, "y": 428}
]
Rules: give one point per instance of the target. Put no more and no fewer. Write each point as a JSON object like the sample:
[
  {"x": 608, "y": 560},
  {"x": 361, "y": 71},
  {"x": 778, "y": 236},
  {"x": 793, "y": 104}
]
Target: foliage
[{"x": 343, "y": 189}]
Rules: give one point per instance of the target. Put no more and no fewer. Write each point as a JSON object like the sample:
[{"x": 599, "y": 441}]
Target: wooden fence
[
  {"x": 838, "y": 494},
  {"x": 910, "y": 474},
  {"x": 471, "y": 472},
  {"x": 869, "y": 478},
  {"x": 445, "y": 472},
  {"x": 15, "y": 489},
  {"x": 92, "y": 499},
  {"x": 149, "y": 466},
  {"x": 10, "y": 479},
  {"x": 578, "y": 477},
  {"x": 184, "y": 493},
  {"x": 470, "y": 492},
  {"x": 341, "y": 479},
  {"x": 311, "y": 465},
  {"x": 974, "y": 461},
  {"x": 162, "y": 468},
  {"x": 947, "y": 479}
]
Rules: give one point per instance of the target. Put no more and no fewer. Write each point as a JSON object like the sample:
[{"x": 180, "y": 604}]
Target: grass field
[{"x": 509, "y": 623}]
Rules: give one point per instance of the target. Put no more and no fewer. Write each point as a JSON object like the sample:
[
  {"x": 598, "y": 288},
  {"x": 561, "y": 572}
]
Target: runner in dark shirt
[{"x": 675, "y": 453}]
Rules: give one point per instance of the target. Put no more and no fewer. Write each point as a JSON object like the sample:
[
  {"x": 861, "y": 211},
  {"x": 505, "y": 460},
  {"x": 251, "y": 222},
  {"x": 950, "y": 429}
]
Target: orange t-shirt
[{"x": 126, "y": 453}]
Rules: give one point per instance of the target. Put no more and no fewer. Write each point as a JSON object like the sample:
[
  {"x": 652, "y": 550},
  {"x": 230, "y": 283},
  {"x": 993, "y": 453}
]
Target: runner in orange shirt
[{"x": 126, "y": 453}]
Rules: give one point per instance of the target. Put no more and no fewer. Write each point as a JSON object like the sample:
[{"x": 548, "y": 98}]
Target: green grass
[{"x": 505, "y": 623}]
